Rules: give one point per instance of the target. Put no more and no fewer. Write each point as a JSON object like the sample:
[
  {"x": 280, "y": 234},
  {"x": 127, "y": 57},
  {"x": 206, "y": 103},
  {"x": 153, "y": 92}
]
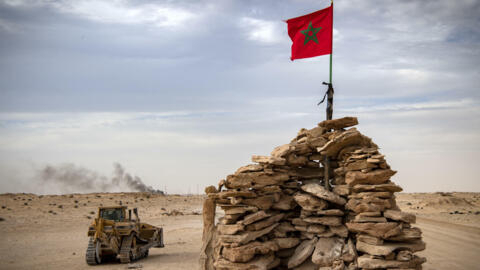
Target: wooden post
[
  {"x": 330, "y": 101},
  {"x": 329, "y": 112}
]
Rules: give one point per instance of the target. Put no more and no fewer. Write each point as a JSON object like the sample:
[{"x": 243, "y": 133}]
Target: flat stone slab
[
  {"x": 381, "y": 230},
  {"x": 238, "y": 209},
  {"x": 261, "y": 202},
  {"x": 246, "y": 252},
  {"x": 368, "y": 205},
  {"x": 400, "y": 216},
  {"x": 269, "y": 160},
  {"x": 374, "y": 194},
  {"x": 251, "y": 218},
  {"x": 302, "y": 252},
  {"x": 245, "y": 237},
  {"x": 326, "y": 212},
  {"x": 249, "y": 168},
  {"x": 321, "y": 192},
  {"x": 327, "y": 250},
  {"x": 230, "y": 228},
  {"x": 309, "y": 202},
  {"x": 254, "y": 179},
  {"x": 387, "y": 248},
  {"x": 234, "y": 193},
  {"x": 360, "y": 219},
  {"x": 326, "y": 220},
  {"x": 345, "y": 139},
  {"x": 339, "y": 123},
  {"x": 374, "y": 177},
  {"x": 390, "y": 187},
  {"x": 281, "y": 151},
  {"x": 265, "y": 223},
  {"x": 263, "y": 262},
  {"x": 369, "y": 263},
  {"x": 407, "y": 234}
]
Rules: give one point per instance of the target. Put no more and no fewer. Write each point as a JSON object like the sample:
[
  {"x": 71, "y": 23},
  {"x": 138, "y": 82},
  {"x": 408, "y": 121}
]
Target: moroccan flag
[{"x": 311, "y": 34}]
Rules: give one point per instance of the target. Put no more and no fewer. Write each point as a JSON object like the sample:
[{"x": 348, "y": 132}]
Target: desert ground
[{"x": 50, "y": 232}]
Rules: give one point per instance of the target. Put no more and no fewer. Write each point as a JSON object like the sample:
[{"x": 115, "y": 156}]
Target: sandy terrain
[{"x": 49, "y": 232}]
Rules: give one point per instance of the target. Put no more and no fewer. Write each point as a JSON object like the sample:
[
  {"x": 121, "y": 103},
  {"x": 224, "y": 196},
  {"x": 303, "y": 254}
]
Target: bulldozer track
[
  {"x": 90, "y": 256},
  {"x": 126, "y": 253}
]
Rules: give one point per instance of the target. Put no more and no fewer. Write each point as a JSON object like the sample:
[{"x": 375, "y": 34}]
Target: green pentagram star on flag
[{"x": 312, "y": 36}]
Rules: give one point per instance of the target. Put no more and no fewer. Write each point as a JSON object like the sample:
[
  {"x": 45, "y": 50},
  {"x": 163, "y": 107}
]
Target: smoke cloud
[{"x": 69, "y": 178}]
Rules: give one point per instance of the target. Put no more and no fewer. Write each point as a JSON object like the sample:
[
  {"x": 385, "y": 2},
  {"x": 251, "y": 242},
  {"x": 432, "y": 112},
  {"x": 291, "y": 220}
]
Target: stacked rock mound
[{"x": 278, "y": 214}]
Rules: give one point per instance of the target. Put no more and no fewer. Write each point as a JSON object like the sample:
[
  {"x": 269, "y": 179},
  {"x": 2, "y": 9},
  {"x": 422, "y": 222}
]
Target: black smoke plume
[{"x": 69, "y": 178}]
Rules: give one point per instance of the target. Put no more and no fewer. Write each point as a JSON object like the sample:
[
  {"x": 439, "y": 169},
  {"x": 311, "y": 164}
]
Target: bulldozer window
[{"x": 112, "y": 214}]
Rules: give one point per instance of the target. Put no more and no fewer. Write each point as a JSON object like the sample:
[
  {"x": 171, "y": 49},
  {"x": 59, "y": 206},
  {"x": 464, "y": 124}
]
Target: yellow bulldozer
[{"x": 114, "y": 234}]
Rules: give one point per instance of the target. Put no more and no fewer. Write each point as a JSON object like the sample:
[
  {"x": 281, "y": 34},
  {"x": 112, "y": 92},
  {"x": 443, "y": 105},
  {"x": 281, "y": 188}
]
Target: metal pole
[{"x": 329, "y": 112}]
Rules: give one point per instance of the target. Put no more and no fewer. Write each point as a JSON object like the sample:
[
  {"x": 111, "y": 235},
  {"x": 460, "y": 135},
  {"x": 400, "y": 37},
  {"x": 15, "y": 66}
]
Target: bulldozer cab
[{"x": 112, "y": 213}]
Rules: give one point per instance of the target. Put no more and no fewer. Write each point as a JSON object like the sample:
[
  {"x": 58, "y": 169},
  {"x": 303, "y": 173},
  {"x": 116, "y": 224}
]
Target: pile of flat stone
[
  {"x": 384, "y": 235},
  {"x": 278, "y": 214}
]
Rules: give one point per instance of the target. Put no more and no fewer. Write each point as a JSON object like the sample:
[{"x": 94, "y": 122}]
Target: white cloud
[
  {"x": 413, "y": 106},
  {"x": 261, "y": 30},
  {"x": 118, "y": 11},
  {"x": 337, "y": 36}
]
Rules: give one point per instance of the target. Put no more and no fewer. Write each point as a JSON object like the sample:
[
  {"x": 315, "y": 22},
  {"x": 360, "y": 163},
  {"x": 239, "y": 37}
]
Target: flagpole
[
  {"x": 330, "y": 85},
  {"x": 329, "y": 111}
]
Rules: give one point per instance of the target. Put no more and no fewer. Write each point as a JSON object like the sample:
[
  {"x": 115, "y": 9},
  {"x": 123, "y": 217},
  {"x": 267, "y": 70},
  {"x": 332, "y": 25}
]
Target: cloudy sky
[{"x": 181, "y": 93}]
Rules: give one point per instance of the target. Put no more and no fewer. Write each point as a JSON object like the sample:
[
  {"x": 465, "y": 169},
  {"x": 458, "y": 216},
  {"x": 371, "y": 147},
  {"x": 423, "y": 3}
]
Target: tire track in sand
[{"x": 450, "y": 246}]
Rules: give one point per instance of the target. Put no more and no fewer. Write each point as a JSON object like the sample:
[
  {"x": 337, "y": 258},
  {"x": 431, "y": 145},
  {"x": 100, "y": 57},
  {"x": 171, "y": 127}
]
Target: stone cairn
[{"x": 279, "y": 215}]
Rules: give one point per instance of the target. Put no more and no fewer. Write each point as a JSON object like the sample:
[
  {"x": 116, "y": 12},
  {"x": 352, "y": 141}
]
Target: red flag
[{"x": 311, "y": 34}]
